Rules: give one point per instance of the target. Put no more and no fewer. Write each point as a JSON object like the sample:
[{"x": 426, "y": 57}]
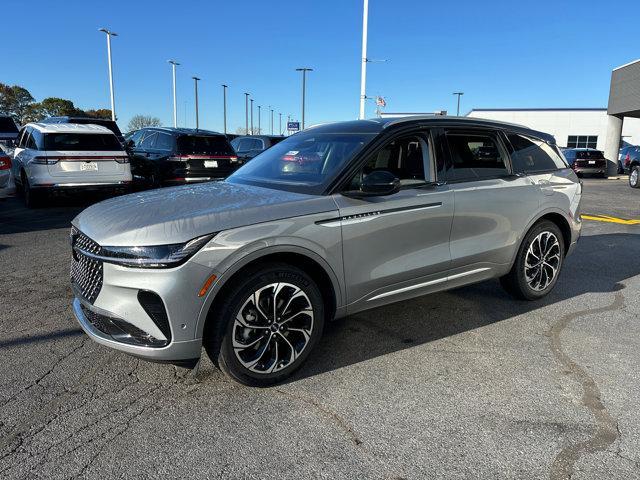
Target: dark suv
[
  {"x": 586, "y": 160},
  {"x": 249, "y": 146},
  {"x": 103, "y": 122},
  {"x": 172, "y": 156}
]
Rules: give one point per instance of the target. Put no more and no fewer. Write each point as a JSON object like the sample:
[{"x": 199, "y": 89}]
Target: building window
[{"x": 582, "y": 141}]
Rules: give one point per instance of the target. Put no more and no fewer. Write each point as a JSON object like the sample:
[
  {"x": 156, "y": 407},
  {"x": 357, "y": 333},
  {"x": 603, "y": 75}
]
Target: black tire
[
  {"x": 32, "y": 198},
  {"x": 634, "y": 177},
  {"x": 515, "y": 282},
  {"x": 223, "y": 327}
]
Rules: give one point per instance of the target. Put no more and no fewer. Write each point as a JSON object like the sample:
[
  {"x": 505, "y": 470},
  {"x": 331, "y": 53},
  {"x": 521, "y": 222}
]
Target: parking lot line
[{"x": 606, "y": 218}]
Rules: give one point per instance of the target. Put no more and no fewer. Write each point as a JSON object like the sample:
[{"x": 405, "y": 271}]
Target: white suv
[{"x": 68, "y": 156}]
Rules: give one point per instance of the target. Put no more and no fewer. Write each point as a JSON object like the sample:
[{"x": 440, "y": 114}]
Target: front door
[{"x": 397, "y": 246}]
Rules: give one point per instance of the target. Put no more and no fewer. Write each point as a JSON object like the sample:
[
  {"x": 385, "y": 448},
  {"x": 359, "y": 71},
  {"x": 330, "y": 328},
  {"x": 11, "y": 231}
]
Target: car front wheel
[
  {"x": 634, "y": 177},
  {"x": 266, "y": 325},
  {"x": 538, "y": 263}
]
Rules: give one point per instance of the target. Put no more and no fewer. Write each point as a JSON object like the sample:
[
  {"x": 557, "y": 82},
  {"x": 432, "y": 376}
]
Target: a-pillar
[{"x": 612, "y": 143}]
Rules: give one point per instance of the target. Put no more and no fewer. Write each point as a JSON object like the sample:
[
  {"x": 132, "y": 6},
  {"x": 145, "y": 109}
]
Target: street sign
[{"x": 293, "y": 126}]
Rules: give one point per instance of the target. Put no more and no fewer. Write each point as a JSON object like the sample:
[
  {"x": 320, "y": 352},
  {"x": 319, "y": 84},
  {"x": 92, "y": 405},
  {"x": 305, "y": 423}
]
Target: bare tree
[{"x": 141, "y": 121}]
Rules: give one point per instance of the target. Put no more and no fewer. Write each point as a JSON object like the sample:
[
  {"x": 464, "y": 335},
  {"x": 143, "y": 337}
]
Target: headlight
[{"x": 156, "y": 256}]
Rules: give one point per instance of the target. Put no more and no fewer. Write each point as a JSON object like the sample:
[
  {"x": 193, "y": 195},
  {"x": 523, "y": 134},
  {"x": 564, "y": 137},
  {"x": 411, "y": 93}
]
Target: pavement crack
[{"x": 606, "y": 431}]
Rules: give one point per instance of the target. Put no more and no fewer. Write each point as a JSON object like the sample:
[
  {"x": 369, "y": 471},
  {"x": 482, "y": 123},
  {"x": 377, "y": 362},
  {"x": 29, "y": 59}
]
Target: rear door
[
  {"x": 86, "y": 157},
  {"x": 206, "y": 156},
  {"x": 397, "y": 246},
  {"x": 493, "y": 205}
]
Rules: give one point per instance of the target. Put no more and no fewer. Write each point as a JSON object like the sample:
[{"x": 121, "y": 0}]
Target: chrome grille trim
[{"x": 86, "y": 272}]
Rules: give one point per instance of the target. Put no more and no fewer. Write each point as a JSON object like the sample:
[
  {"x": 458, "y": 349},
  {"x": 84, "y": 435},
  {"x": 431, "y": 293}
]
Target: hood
[{"x": 179, "y": 214}]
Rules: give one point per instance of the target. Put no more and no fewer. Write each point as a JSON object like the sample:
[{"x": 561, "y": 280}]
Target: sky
[{"x": 547, "y": 53}]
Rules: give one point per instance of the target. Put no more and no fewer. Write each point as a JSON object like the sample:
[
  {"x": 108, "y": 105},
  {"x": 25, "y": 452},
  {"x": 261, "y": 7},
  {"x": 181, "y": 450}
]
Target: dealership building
[{"x": 571, "y": 127}]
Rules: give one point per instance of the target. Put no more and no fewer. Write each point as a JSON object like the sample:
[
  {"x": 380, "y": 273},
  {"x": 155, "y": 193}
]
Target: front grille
[
  {"x": 86, "y": 272},
  {"x": 120, "y": 330}
]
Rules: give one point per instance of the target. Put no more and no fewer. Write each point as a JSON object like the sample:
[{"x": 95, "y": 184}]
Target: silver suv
[{"x": 334, "y": 220}]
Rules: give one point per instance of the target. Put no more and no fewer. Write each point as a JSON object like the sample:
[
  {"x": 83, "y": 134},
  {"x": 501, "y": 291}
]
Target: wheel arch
[{"x": 306, "y": 260}]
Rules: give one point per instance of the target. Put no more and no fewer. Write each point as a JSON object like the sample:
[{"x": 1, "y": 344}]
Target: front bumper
[{"x": 174, "y": 351}]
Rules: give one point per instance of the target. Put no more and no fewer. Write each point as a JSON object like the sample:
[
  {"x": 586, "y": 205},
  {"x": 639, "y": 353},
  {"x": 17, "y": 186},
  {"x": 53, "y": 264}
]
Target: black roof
[
  {"x": 377, "y": 125},
  {"x": 183, "y": 131}
]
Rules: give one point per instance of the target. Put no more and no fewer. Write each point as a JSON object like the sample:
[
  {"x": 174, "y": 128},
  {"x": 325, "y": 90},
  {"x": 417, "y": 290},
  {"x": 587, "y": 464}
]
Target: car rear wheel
[
  {"x": 266, "y": 326},
  {"x": 32, "y": 198},
  {"x": 538, "y": 263},
  {"x": 634, "y": 177}
]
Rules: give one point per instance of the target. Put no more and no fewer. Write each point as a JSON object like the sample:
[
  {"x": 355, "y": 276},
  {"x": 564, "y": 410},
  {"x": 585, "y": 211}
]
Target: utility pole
[
  {"x": 363, "y": 72},
  {"x": 196, "y": 80},
  {"x": 174, "y": 64},
  {"x": 246, "y": 113},
  {"x": 459, "y": 94},
  {"x": 259, "y": 115},
  {"x": 113, "y": 100},
  {"x": 279, "y": 123},
  {"x": 304, "y": 71},
  {"x": 224, "y": 106}
]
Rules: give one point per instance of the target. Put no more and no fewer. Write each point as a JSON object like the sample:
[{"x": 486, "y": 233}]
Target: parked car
[
  {"x": 628, "y": 158},
  {"x": 67, "y": 156},
  {"x": 7, "y": 186},
  {"x": 8, "y": 130},
  {"x": 249, "y": 146},
  {"x": 586, "y": 160},
  {"x": 110, "y": 124},
  {"x": 379, "y": 211},
  {"x": 173, "y": 156}
]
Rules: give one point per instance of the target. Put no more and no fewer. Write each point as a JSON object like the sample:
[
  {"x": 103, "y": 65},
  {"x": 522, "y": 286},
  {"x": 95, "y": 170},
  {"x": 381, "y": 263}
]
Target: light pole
[
  {"x": 246, "y": 113},
  {"x": 224, "y": 106},
  {"x": 304, "y": 71},
  {"x": 113, "y": 99},
  {"x": 251, "y": 116},
  {"x": 363, "y": 71},
  {"x": 271, "y": 119},
  {"x": 174, "y": 64},
  {"x": 196, "y": 80},
  {"x": 459, "y": 94},
  {"x": 259, "y": 115},
  {"x": 279, "y": 123}
]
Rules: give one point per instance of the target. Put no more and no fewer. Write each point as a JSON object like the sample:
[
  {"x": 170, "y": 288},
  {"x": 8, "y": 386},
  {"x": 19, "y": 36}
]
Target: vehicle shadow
[
  {"x": 594, "y": 267},
  {"x": 56, "y": 213}
]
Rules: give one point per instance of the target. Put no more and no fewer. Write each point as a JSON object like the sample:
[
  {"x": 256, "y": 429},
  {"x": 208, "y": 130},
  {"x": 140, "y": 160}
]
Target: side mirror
[
  {"x": 377, "y": 184},
  {"x": 129, "y": 145}
]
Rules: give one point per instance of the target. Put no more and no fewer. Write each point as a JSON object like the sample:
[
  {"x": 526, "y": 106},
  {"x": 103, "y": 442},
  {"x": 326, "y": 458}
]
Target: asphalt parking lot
[{"x": 463, "y": 384}]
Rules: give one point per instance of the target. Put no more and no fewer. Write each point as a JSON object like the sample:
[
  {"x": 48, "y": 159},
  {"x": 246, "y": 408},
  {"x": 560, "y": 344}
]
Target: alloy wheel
[
  {"x": 633, "y": 177},
  {"x": 542, "y": 261},
  {"x": 272, "y": 327}
]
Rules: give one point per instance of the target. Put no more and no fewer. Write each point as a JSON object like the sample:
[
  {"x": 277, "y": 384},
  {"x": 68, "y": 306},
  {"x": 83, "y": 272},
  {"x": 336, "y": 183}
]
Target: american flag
[{"x": 381, "y": 102}]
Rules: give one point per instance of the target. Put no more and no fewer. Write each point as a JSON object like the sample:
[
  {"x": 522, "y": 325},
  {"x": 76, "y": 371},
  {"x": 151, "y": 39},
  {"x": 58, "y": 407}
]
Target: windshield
[{"x": 305, "y": 162}]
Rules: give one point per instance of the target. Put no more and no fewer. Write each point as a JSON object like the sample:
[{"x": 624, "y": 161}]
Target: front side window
[
  {"x": 475, "y": 156},
  {"x": 532, "y": 155},
  {"x": 407, "y": 158},
  {"x": 147, "y": 141},
  {"x": 305, "y": 162}
]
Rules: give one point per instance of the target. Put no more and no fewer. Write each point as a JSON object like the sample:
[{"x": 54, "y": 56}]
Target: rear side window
[
  {"x": 204, "y": 144},
  {"x": 81, "y": 141},
  {"x": 533, "y": 155},
  {"x": 164, "y": 142},
  {"x": 475, "y": 156},
  {"x": 148, "y": 140}
]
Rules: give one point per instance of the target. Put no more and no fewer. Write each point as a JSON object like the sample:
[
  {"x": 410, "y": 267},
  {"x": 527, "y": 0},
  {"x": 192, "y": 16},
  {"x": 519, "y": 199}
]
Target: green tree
[
  {"x": 57, "y": 107},
  {"x": 15, "y": 101},
  {"x": 141, "y": 121},
  {"x": 99, "y": 113}
]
